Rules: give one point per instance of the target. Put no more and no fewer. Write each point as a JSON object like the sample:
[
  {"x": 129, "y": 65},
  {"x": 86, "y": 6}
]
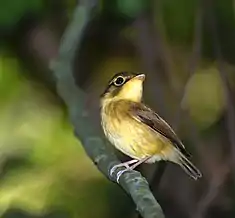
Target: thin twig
[
  {"x": 196, "y": 53},
  {"x": 229, "y": 99},
  {"x": 150, "y": 51},
  {"x": 217, "y": 181},
  {"x": 214, "y": 189},
  {"x": 157, "y": 44},
  {"x": 132, "y": 182}
]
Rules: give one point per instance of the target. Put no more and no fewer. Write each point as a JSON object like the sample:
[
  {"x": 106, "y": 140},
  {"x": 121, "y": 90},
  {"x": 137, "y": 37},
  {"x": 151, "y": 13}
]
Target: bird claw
[
  {"x": 120, "y": 173},
  {"x": 112, "y": 170},
  {"x": 117, "y": 166},
  {"x": 126, "y": 165}
]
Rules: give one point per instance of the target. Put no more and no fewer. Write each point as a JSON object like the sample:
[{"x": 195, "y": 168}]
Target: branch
[{"x": 132, "y": 182}]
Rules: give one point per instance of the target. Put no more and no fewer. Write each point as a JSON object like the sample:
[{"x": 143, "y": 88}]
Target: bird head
[{"x": 125, "y": 86}]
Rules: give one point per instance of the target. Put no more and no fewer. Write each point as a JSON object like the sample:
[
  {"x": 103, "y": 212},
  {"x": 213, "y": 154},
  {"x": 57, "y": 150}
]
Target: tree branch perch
[{"x": 132, "y": 182}]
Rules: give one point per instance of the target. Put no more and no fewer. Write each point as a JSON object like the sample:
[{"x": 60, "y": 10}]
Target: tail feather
[{"x": 189, "y": 167}]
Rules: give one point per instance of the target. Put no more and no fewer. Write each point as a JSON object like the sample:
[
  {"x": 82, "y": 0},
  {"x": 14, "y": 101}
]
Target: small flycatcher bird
[{"x": 136, "y": 130}]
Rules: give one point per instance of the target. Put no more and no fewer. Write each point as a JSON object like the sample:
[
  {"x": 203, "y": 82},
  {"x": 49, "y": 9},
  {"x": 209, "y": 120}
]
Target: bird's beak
[{"x": 140, "y": 77}]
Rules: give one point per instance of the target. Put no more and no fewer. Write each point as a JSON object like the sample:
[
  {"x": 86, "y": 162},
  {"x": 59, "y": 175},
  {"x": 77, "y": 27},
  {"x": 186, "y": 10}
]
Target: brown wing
[{"x": 147, "y": 116}]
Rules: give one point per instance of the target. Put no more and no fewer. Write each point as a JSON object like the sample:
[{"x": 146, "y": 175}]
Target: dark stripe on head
[{"x": 126, "y": 75}]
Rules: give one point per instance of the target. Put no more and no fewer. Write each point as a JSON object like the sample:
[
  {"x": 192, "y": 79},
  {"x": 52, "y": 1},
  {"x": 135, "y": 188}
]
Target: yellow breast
[{"x": 133, "y": 138}]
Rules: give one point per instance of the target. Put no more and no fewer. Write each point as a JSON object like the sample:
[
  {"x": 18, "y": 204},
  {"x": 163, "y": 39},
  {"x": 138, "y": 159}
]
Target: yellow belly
[{"x": 134, "y": 138}]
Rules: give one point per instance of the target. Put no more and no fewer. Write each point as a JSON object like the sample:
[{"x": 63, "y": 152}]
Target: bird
[{"x": 136, "y": 130}]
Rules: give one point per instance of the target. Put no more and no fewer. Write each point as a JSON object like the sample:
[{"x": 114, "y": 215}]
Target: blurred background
[{"x": 187, "y": 50}]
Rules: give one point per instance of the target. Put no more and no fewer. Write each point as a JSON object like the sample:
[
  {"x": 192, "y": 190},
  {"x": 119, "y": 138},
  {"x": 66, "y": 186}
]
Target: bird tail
[{"x": 189, "y": 167}]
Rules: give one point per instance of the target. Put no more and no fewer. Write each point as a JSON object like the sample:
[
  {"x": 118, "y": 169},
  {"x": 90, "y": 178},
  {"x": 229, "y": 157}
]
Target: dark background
[{"x": 187, "y": 50}]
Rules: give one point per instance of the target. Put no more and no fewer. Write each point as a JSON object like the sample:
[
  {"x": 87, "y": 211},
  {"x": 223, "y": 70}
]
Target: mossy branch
[{"x": 132, "y": 182}]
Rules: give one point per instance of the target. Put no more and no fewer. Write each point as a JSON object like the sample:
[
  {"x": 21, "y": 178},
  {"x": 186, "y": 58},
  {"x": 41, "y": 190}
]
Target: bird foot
[
  {"x": 128, "y": 165},
  {"x": 113, "y": 169},
  {"x": 121, "y": 172}
]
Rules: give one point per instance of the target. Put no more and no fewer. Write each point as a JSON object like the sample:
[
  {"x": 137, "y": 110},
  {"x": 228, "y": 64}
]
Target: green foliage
[
  {"x": 12, "y": 11},
  {"x": 224, "y": 14},
  {"x": 179, "y": 19},
  {"x": 59, "y": 174},
  {"x": 8, "y": 65},
  {"x": 131, "y": 8},
  {"x": 124, "y": 8}
]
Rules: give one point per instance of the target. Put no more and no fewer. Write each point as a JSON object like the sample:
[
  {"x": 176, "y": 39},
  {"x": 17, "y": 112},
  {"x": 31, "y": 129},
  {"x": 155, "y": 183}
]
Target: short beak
[{"x": 140, "y": 77}]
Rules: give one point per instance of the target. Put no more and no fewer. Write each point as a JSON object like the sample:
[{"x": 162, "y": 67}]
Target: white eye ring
[{"x": 119, "y": 81}]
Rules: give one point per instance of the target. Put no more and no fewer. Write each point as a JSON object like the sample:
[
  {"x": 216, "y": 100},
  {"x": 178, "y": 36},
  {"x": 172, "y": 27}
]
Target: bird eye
[{"x": 119, "y": 81}]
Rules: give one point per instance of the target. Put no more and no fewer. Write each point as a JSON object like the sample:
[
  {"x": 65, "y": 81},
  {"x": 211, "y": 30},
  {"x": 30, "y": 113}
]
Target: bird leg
[
  {"x": 124, "y": 164},
  {"x": 128, "y": 168},
  {"x": 138, "y": 163}
]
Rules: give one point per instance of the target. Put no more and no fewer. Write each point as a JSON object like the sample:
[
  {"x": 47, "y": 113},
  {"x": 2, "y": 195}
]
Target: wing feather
[{"x": 147, "y": 116}]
